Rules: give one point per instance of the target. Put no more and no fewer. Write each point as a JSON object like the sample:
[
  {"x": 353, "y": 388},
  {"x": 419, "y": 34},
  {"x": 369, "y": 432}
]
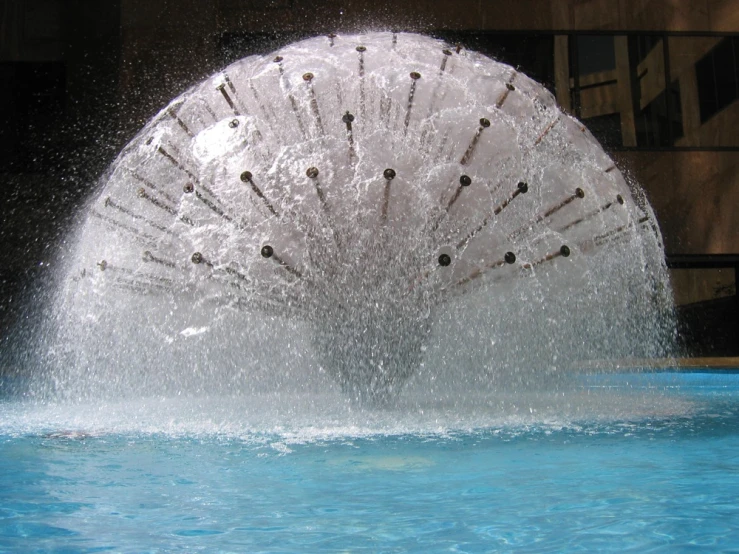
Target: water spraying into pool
[
  {"x": 381, "y": 214},
  {"x": 349, "y": 296}
]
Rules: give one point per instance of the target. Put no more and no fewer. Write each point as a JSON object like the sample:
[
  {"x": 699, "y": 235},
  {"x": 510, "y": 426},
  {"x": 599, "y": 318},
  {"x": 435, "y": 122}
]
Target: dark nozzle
[
  {"x": 347, "y": 118},
  {"x": 278, "y": 59},
  {"x": 509, "y": 257},
  {"x": 233, "y": 123},
  {"x": 510, "y": 87},
  {"x": 312, "y": 172},
  {"x": 361, "y": 49},
  {"x": 389, "y": 174},
  {"x": 565, "y": 250},
  {"x": 197, "y": 258},
  {"x": 446, "y": 52},
  {"x": 579, "y": 193},
  {"x": 465, "y": 181},
  {"x": 308, "y": 77},
  {"x": 445, "y": 260},
  {"x": 523, "y": 187},
  {"x": 188, "y": 188},
  {"x": 620, "y": 199},
  {"x": 246, "y": 176},
  {"x": 267, "y": 251},
  {"x": 331, "y": 35},
  {"x": 415, "y": 75},
  {"x": 484, "y": 122}
]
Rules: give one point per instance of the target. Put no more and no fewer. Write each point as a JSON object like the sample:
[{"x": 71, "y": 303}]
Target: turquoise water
[{"x": 159, "y": 478}]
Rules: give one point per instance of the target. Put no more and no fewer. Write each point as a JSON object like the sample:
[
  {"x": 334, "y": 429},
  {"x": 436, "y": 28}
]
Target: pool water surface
[{"x": 665, "y": 480}]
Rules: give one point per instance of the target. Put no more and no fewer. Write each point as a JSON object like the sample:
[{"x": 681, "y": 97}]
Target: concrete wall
[
  {"x": 332, "y": 15},
  {"x": 695, "y": 196}
]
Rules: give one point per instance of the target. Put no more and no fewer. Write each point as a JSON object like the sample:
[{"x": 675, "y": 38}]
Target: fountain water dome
[{"x": 363, "y": 211}]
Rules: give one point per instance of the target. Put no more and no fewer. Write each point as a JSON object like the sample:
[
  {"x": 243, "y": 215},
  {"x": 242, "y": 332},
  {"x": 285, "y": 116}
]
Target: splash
[{"x": 377, "y": 213}]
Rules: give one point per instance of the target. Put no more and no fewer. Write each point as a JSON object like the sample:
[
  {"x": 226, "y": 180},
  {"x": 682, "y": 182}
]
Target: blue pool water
[{"x": 641, "y": 463}]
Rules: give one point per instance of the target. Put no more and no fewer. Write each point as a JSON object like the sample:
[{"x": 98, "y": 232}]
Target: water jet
[
  {"x": 443, "y": 188},
  {"x": 304, "y": 244}
]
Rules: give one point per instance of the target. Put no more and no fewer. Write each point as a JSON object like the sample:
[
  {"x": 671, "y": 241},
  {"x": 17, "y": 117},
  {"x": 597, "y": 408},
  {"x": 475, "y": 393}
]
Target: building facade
[{"x": 657, "y": 81}]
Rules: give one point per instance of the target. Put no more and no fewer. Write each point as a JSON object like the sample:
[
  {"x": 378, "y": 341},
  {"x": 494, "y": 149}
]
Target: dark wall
[
  {"x": 78, "y": 78},
  {"x": 59, "y": 67}
]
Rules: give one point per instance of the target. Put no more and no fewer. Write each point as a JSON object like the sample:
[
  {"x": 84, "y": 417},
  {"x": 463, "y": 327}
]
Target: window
[
  {"x": 653, "y": 122},
  {"x": 595, "y": 54},
  {"x": 717, "y": 74},
  {"x": 641, "y": 45}
]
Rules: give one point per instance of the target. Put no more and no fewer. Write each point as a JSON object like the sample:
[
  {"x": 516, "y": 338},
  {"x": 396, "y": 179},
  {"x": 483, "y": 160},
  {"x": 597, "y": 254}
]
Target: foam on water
[
  {"x": 657, "y": 483},
  {"x": 296, "y": 418}
]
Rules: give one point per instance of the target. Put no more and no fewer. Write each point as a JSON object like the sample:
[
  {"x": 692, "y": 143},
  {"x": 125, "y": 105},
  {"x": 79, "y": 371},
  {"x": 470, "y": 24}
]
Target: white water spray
[{"x": 360, "y": 211}]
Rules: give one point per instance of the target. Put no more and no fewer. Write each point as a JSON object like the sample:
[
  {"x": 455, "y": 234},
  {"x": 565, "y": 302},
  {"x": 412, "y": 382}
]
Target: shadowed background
[{"x": 78, "y": 78}]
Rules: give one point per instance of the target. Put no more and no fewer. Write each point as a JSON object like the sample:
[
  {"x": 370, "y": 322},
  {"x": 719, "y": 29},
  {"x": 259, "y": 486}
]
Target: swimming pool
[{"x": 646, "y": 462}]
